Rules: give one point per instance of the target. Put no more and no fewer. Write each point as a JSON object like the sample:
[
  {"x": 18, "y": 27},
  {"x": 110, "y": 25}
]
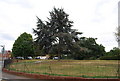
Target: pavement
[
  {"x": 10, "y": 77},
  {"x": 0, "y": 70}
]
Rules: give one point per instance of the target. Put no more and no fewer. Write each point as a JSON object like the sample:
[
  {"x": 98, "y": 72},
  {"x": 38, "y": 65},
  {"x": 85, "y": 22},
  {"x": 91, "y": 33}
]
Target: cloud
[
  {"x": 6, "y": 36},
  {"x": 94, "y": 18},
  {"x": 21, "y": 3}
]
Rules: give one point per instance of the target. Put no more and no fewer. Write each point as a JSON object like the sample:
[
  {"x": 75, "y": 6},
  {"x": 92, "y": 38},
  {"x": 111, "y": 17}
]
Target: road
[
  {"x": 0, "y": 69},
  {"x": 10, "y": 77}
]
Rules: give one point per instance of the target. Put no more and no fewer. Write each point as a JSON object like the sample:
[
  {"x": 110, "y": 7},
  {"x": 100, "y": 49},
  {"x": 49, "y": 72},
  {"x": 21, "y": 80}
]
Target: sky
[{"x": 95, "y": 18}]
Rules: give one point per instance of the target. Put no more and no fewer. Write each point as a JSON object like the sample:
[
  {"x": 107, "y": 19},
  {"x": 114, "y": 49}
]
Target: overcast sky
[{"x": 95, "y": 18}]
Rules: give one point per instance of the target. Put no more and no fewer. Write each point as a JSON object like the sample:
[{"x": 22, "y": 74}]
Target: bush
[
  {"x": 92, "y": 58},
  {"x": 116, "y": 57}
]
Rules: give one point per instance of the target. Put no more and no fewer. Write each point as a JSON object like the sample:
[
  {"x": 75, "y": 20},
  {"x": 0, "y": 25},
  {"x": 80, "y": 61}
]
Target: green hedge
[{"x": 117, "y": 57}]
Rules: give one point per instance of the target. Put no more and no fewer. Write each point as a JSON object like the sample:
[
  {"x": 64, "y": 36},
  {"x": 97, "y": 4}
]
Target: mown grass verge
[{"x": 73, "y": 68}]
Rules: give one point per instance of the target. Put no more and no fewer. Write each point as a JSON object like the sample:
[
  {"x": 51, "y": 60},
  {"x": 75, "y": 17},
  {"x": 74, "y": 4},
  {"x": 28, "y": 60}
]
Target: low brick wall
[{"x": 56, "y": 78}]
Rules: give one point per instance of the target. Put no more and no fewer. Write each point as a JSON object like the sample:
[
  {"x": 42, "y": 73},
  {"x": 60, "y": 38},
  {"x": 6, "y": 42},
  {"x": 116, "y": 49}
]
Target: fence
[
  {"x": 71, "y": 68},
  {"x": 7, "y": 62}
]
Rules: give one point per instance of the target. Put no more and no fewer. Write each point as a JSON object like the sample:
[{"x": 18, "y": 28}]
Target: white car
[
  {"x": 55, "y": 58},
  {"x": 29, "y": 57},
  {"x": 20, "y": 58}
]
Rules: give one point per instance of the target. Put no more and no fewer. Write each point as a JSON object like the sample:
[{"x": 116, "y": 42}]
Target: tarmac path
[{"x": 10, "y": 77}]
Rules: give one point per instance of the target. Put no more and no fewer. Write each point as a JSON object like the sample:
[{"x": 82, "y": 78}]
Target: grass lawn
[{"x": 77, "y": 68}]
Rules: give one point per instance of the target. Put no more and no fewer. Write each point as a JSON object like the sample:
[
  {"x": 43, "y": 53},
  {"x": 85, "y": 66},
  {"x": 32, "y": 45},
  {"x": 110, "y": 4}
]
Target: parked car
[
  {"x": 37, "y": 57},
  {"x": 29, "y": 57},
  {"x": 42, "y": 57},
  {"x": 55, "y": 58},
  {"x": 19, "y": 58}
]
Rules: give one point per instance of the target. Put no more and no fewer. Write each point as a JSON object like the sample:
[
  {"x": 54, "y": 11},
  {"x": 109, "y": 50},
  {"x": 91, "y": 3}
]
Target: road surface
[
  {"x": 10, "y": 77},
  {"x": 0, "y": 70}
]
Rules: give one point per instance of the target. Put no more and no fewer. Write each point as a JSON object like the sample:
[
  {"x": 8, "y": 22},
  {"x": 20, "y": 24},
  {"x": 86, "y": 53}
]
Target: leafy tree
[
  {"x": 61, "y": 27},
  {"x": 37, "y": 50},
  {"x": 43, "y": 40},
  {"x": 57, "y": 37},
  {"x": 94, "y": 50},
  {"x": 63, "y": 33},
  {"x": 113, "y": 52},
  {"x": 23, "y": 46},
  {"x": 56, "y": 33}
]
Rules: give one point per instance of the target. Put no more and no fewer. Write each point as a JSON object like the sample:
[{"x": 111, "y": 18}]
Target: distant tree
[
  {"x": 23, "y": 46},
  {"x": 94, "y": 50},
  {"x": 113, "y": 52}
]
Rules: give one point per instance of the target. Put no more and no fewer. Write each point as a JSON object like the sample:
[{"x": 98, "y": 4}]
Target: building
[{"x": 6, "y": 55}]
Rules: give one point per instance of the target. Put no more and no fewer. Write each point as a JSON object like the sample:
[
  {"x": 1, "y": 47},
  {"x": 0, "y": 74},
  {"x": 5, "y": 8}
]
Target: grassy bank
[{"x": 77, "y": 68}]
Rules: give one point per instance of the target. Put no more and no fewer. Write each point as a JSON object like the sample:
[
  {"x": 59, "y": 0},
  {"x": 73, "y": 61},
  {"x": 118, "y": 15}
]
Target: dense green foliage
[
  {"x": 23, "y": 46},
  {"x": 113, "y": 54},
  {"x": 57, "y": 38},
  {"x": 44, "y": 39},
  {"x": 56, "y": 33},
  {"x": 94, "y": 50},
  {"x": 116, "y": 57}
]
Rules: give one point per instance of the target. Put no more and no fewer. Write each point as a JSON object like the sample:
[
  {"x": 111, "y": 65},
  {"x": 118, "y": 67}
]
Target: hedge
[{"x": 116, "y": 57}]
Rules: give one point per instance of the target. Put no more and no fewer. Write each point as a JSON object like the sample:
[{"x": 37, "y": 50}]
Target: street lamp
[{"x": 3, "y": 50}]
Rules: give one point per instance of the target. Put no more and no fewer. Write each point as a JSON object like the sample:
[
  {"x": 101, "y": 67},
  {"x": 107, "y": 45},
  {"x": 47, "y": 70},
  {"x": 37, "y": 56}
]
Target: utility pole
[
  {"x": 2, "y": 65},
  {"x": 3, "y": 50},
  {"x": 118, "y": 37},
  {"x": 118, "y": 30}
]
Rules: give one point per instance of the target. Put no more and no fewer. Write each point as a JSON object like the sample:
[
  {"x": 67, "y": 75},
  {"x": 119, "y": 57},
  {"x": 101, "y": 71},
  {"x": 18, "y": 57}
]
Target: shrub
[{"x": 116, "y": 57}]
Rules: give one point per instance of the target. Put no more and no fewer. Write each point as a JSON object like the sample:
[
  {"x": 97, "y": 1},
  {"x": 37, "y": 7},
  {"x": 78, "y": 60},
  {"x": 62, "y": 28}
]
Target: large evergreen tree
[
  {"x": 61, "y": 27},
  {"x": 56, "y": 32},
  {"x": 43, "y": 40},
  {"x": 23, "y": 46},
  {"x": 57, "y": 37}
]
